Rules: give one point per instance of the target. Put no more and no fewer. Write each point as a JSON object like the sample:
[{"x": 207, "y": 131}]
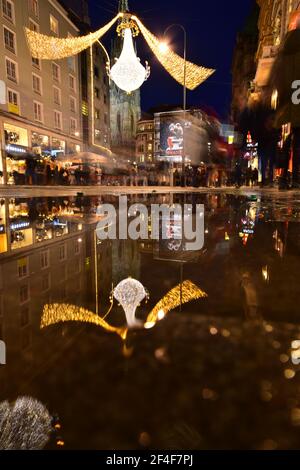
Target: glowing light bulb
[
  {"x": 128, "y": 73},
  {"x": 163, "y": 47}
]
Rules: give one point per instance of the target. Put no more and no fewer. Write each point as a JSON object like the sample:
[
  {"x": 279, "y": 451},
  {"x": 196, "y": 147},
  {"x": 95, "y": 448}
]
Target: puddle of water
[{"x": 220, "y": 372}]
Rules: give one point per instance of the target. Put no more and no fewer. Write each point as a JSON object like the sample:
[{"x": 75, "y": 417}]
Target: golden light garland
[
  {"x": 173, "y": 63},
  {"x": 52, "y": 48},
  {"x": 62, "y": 313},
  {"x": 183, "y": 293}
]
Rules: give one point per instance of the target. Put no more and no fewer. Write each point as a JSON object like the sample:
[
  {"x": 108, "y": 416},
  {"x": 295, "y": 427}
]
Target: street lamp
[{"x": 164, "y": 48}]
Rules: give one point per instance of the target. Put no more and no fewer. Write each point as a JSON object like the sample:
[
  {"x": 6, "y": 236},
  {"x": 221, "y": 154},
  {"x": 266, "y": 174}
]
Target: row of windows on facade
[
  {"x": 8, "y": 10},
  {"x": 23, "y": 263},
  {"x": 12, "y": 73},
  {"x": 141, "y": 148}
]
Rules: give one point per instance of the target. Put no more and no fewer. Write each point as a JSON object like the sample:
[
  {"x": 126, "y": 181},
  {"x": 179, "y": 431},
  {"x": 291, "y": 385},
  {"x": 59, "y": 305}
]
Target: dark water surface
[{"x": 220, "y": 373}]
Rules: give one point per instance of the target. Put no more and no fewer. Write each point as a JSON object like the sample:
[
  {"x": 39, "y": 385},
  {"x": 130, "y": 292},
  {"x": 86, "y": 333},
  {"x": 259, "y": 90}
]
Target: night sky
[{"x": 212, "y": 26}]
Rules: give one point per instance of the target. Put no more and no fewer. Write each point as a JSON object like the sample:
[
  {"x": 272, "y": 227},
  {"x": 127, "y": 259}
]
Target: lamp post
[{"x": 184, "y": 91}]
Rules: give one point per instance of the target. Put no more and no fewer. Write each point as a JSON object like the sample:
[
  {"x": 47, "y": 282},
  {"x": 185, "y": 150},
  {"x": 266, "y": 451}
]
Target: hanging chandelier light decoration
[{"x": 127, "y": 73}]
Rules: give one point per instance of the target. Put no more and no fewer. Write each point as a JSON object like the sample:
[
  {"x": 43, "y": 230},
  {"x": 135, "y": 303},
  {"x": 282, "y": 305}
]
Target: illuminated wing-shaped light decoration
[
  {"x": 62, "y": 313},
  {"x": 52, "y": 48},
  {"x": 181, "y": 294},
  {"x": 173, "y": 63},
  {"x": 129, "y": 293}
]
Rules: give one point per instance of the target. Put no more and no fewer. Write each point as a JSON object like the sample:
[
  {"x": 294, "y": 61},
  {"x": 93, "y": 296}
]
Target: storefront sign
[
  {"x": 19, "y": 225},
  {"x": 16, "y": 149}
]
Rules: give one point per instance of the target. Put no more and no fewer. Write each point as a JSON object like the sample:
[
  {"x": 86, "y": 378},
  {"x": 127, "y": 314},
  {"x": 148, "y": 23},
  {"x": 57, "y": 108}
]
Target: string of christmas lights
[
  {"x": 173, "y": 63},
  {"x": 184, "y": 293},
  {"x": 51, "y": 48}
]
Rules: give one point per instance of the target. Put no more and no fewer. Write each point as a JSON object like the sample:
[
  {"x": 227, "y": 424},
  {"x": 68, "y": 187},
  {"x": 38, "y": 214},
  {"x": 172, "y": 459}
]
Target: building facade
[
  {"x": 125, "y": 109},
  {"x": 145, "y": 141},
  {"x": 273, "y": 24},
  {"x": 244, "y": 64},
  {"x": 41, "y": 100},
  {"x": 95, "y": 91}
]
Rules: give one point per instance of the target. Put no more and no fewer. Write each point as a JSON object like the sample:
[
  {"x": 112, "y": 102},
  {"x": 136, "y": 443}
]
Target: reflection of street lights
[{"x": 164, "y": 49}]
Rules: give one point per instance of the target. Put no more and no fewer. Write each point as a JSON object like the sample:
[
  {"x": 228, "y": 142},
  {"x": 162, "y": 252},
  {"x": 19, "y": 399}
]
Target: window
[
  {"x": 9, "y": 40},
  {"x": 55, "y": 72},
  {"x": 58, "y": 120},
  {"x": 22, "y": 267},
  {"x": 77, "y": 247},
  {"x": 57, "y": 95},
  {"x": 53, "y": 25},
  {"x": 45, "y": 259},
  {"x": 72, "y": 63},
  {"x": 8, "y": 10},
  {"x": 24, "y": 294},
  {"x": 34, "y": 7},
  {"x": 13, "y": 99},
  {"x": 26, "y": 338},
  {"x": 97, "y": 114},
  {"x": 72, "y": 104},
  {"x": 24, "y": 320},
  {"x": 45, "y": 283},
  {"x": 72, "y": 82},
  {"x": 62, "y": 253},
  {"x": 36, "y": 62},
  {"x": 98, "y": 135},
  {"x": 97, "y": 93},
  {"x": 37, "y": 84},
  {"x": 38, "y": 111},
  {"x": 34, "y": 27},
  {"x": 11, "y": 70},
  {"x": 73, "y": 126}
]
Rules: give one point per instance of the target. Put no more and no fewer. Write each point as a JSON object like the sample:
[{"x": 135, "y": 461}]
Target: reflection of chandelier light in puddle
[
  {"x": 128, "y": 73},
  {"x": 130, "y": 293}
]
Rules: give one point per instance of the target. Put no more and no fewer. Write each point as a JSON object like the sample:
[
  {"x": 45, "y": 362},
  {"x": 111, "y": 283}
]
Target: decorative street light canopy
[{"x": 128, "y": 73}]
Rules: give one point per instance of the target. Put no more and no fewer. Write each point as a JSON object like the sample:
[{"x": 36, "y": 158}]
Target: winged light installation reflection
[
  {"x": 183, "y": 293},
  {"x": 52, "y": 48}
]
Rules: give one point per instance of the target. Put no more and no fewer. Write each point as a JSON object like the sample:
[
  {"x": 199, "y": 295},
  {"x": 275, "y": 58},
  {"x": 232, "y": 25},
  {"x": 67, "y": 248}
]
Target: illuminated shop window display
[
  {"x": 16, "y": 147},
  {"x": 40, "y": 143},
  {"x": 21, "y": 232},
  {"x": 58, "y": 148}
]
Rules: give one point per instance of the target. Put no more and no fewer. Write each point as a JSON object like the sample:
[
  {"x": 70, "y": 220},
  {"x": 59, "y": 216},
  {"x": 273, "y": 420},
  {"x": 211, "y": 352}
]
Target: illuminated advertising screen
[{"x": 171, "y": 136}]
